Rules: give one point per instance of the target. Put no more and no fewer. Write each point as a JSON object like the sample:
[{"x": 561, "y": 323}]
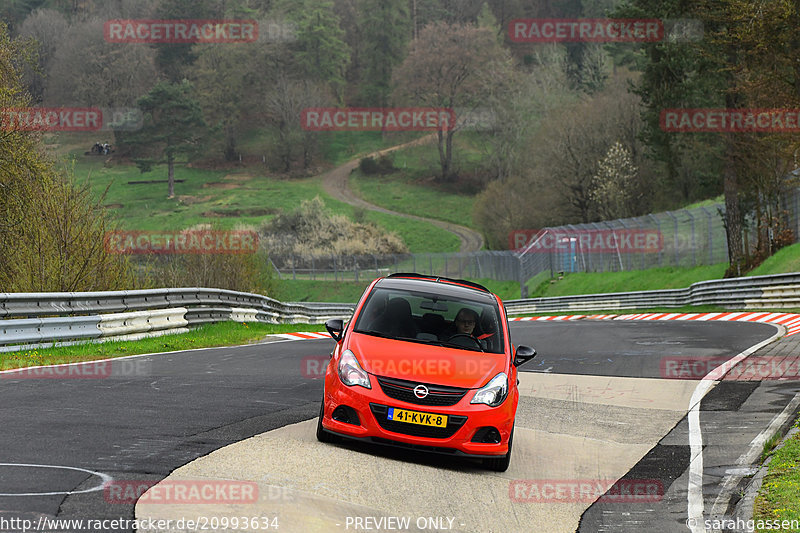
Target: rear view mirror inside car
[{"x": 433, "y": 305}]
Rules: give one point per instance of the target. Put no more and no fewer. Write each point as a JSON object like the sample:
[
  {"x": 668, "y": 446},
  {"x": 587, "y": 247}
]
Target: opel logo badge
[{"x": 420, "y": 391}]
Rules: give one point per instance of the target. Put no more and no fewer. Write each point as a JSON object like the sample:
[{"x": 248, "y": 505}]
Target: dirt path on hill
[{"x": 336, "y": 183}]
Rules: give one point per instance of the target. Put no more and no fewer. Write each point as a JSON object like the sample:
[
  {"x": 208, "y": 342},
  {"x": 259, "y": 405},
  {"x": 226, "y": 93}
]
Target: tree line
[{"x": 575, "y": 133}]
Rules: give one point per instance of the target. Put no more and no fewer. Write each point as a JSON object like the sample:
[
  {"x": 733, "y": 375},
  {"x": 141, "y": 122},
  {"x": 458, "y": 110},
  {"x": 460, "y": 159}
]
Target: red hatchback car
[{"x": 425, "y": 363}]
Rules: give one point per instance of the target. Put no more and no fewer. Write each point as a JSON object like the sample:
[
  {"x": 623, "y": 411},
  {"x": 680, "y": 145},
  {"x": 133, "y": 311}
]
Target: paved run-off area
[{"x": 570, "y": 429}]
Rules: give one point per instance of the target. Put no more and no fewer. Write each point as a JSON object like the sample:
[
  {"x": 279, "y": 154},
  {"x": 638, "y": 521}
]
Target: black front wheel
[
  {"x": 500, "y": 464},
  {"x": 322, "y": 435}
]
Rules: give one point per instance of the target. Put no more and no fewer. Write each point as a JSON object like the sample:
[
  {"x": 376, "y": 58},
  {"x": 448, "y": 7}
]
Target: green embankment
[
  {"x": 413, "y": 188},
  {"x": 209, "y": 335},
  {"x": 230, "y": 199},
  {"x": 779, "y": 496},
  {"x": 634, "y": 280}
]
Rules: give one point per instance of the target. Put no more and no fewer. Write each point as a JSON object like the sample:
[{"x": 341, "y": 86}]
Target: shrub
[
  {"x": 368, "y": 166},
  {"x": 313, "y": 231}
]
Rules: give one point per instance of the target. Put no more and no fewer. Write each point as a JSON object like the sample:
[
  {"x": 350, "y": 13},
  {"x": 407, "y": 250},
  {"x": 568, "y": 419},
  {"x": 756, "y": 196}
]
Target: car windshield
[{"x": 432, "y": 319}]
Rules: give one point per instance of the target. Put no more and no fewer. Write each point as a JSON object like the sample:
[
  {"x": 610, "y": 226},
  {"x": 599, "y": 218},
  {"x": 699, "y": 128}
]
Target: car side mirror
[
  {"x": 523, "y": 355},
  {"x": 335, "y": 327}
]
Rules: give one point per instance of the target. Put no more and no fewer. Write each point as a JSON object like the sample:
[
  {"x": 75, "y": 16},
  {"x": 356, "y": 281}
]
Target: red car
[{"x": 425, "y": 363}]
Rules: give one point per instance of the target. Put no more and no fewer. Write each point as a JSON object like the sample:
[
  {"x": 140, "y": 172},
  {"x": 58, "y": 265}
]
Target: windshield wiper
[
  {"x": 386, "y": 335},
  {"x": 461, "y": 346},
  {"x": 376, "y": 333}
]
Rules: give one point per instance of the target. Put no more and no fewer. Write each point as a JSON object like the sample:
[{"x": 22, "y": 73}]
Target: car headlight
[
  {"x": 350, "y": 372},
  {"x": 494, "y": 393}
]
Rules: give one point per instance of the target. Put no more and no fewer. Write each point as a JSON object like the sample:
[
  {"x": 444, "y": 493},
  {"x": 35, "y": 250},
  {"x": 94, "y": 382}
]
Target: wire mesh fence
[{"x": 682, "y": 238}]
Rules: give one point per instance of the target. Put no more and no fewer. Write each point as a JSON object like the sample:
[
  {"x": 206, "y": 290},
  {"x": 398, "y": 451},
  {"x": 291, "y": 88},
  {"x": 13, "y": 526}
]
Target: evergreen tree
[
  {"x": 173, "y": 58},
  {"x": 386, "y": 28},
  {"x": 320, "y": 48},
  {"x": 173, "y": 127}
]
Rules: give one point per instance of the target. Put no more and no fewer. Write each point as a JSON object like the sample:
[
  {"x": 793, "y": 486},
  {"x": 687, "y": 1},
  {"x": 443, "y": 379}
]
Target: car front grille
[
  {"x": 438, "y": 395},
  {"x": 454, "y": 423}
]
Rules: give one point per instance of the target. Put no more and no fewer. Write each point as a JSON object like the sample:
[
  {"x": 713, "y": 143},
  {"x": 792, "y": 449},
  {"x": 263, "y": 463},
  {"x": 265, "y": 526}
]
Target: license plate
[{"x": 415, "y": 417}]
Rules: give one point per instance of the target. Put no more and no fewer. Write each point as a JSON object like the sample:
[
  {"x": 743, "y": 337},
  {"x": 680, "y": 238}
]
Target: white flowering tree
[{"x": 613, "y": 185}]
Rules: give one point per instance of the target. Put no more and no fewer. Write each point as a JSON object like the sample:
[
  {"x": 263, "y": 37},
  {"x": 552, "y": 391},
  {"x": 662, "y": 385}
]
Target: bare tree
[
  {"x": 285, "y": 103},
  {"x": 452, "y": 66},
  {"x": 88, "y": 71},
  {"x": 48, "y": 28}
]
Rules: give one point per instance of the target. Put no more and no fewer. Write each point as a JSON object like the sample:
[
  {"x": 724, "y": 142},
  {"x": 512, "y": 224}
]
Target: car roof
[{"x": 438, "y": 285}]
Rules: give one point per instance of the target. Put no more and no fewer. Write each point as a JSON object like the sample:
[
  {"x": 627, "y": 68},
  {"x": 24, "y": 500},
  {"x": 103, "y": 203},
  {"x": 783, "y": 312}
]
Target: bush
[
  {"x": 313, "y": 231},
  {"x": 56, "y": 241},
  {"x": 368, "y": 166},
  {"x": 383, "y": 165},
  {"x": 386, "y": 164},
  {"x": 235, "y": 272}
]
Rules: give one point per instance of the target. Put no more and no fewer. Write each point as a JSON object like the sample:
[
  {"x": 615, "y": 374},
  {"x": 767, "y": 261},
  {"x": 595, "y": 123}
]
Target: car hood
[{"x": 425, "y": 363}]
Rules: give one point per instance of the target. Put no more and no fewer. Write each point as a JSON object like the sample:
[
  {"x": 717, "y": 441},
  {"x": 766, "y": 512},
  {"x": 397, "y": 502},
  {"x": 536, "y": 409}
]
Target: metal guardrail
[
  {"x": 30, "y": 305},
  {"x": 756, "y": 292},
  {"x": 32, "y": 320}
]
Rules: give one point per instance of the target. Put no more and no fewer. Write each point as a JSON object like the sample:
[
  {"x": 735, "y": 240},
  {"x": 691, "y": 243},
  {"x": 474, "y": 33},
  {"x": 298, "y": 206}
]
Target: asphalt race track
[{"x": 594, "y": 409}]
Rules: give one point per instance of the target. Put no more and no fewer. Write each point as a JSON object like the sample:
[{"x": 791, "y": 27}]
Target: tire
[
  {"x": 500, "y": 464},
  {"x": 322, "y": 435}
]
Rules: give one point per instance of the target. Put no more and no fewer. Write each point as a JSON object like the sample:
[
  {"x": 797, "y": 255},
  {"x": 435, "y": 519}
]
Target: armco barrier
[
  {"x": 34, "y": 330},
  {"x": 143, "y": 321},
  {"x": 27, "y": 318},
  {"x": 30, "y": 320},
  {"x": 780, "y": 291}
]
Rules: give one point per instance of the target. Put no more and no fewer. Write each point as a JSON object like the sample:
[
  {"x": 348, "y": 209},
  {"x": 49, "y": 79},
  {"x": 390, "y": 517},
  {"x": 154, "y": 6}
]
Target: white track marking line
[
  {"x": 754, "y": 450},
  {"x": 104, "y": 477},
  {"x": 694, "y": 494}
]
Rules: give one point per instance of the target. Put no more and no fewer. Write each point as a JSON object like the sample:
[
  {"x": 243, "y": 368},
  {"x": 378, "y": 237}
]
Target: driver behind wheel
[{"x": 464, "y": 324}]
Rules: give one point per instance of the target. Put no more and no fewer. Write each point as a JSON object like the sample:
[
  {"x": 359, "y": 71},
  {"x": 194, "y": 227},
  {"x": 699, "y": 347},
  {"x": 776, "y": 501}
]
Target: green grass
[
  {"x": 303, "y": 290},
  {"x": 209, "y": 335},
  {"x": 683, "y": 309},
  {"x": 706, "y": 203},
  {"x": 341, "y": 147},
  {"x": 412, "y": 188},
  {"x": 306, "y": 290},
  {"x": 785, "y": 260},
  {"x": 228, "y": 199},
  {"x": 251, "y": 195},
  {"x": 635, "y": 280},
  {"x": 416, "y": 199},
  {"x": 419, "y": 236},
  {"x": 779, "y": 497}
]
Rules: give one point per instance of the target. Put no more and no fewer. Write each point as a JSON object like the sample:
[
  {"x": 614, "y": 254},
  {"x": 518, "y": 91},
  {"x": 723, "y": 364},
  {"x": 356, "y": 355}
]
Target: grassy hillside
[
  {"x": 786, "y": 260},
  {"x": 228, "y": 198},
  {"x": 636, "y": 280},
  {"x": 412, "y": 188}
]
